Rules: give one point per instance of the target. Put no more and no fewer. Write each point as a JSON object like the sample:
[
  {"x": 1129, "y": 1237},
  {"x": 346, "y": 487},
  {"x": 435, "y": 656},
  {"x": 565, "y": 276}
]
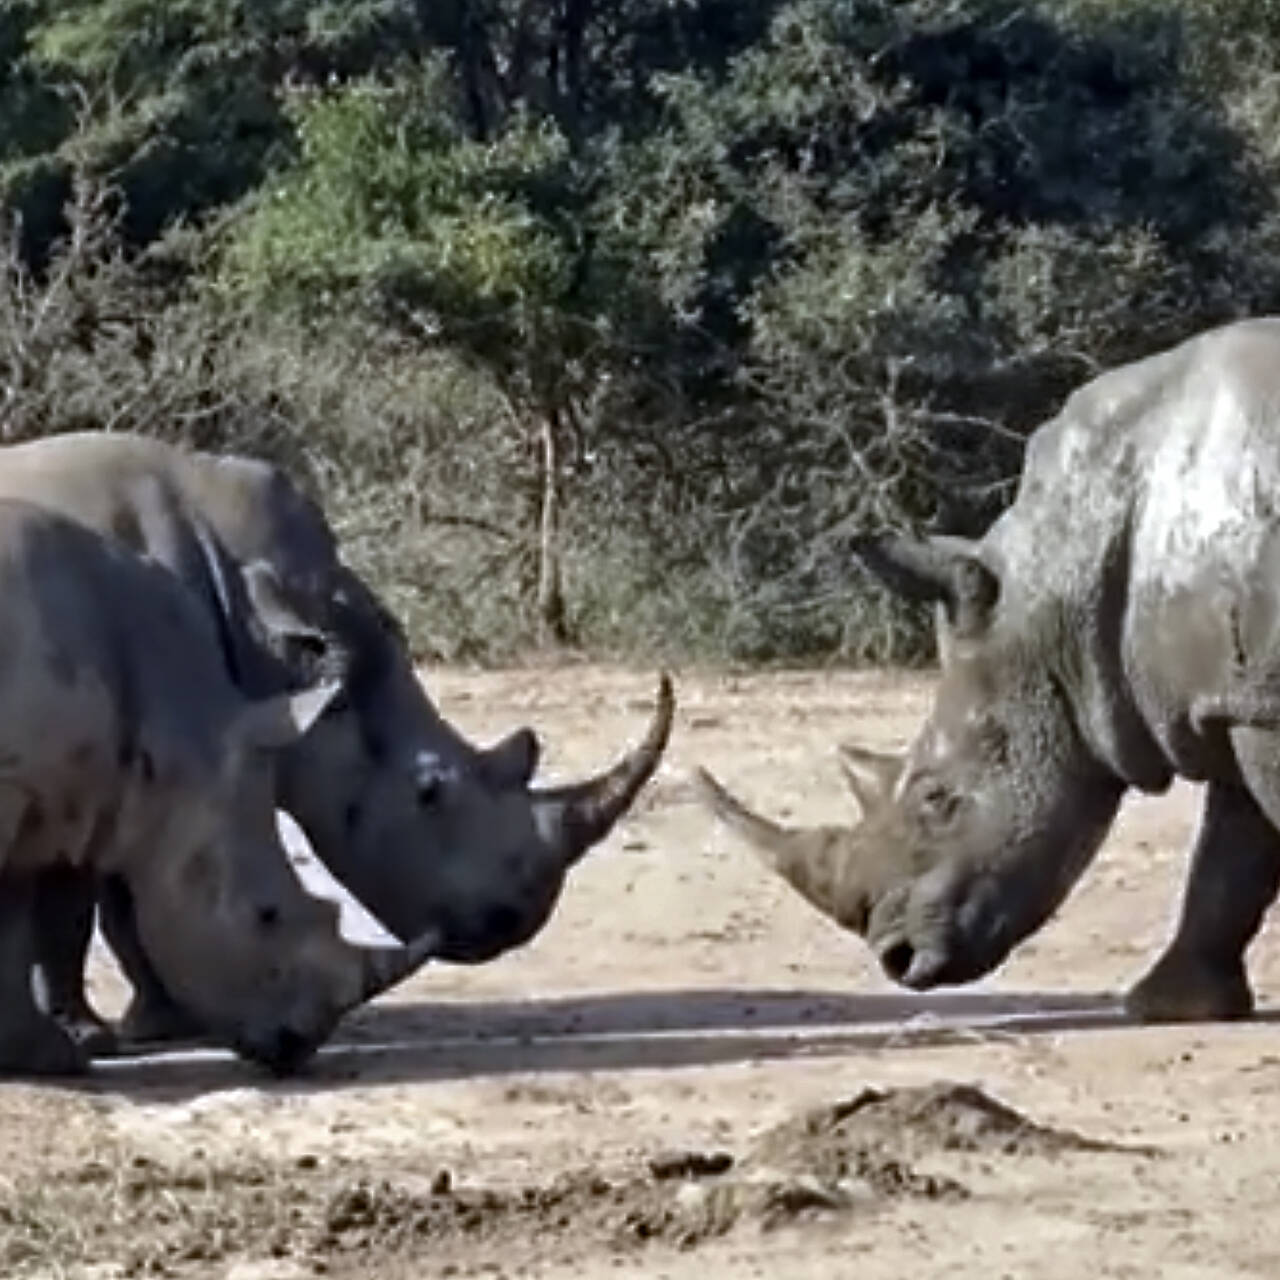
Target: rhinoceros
[
  {"x": 426, "y": 831},
  {"x": 1117, "y": 626},
  {"x": 127, "y": 751}
]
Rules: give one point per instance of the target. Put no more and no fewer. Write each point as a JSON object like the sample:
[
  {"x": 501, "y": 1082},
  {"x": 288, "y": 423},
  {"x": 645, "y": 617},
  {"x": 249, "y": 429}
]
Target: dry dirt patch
[
  {"x": 692, "y": 1074},
  {"x": 135, "y": 1216}
]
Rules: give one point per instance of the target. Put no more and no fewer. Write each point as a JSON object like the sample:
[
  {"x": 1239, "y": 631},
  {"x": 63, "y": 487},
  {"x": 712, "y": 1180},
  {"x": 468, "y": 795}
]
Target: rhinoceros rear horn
[
  {"x": 383, "y": 967},
  {"x": 578, "y": 816},
  {"x": 870, "y": 775},
  {"x": 513, "y": 761}
]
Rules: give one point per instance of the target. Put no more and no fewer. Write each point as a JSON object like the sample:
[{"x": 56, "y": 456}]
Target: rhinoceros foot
[
  {"x": 40, "y": 1047},
  {"x": 1190, "y": 988},
  {"x": 157, "y": 1020}
]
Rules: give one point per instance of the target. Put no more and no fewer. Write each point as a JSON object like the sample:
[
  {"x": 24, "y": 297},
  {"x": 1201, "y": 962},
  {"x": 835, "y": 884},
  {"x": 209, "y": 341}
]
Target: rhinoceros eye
[
  {"x": 429, "y": 780},
  {"x": 993, "y": 741},
  {"x": 938, "y": 803}
]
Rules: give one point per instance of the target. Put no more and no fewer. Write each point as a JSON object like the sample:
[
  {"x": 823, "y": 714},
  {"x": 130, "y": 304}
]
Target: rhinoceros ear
[
  {"x": 280, "y": 615},
  {"x": 938, "y": 568},
  {"x": 305, "y": 647},
  {"x": 277, "y": 722}
]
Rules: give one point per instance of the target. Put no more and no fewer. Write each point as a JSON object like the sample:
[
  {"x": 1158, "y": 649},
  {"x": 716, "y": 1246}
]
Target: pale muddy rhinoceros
[
  {"x": 127, "y": 751},
  {"x": 425, "y": 830},
  {"x": 1118, "y": 625}
]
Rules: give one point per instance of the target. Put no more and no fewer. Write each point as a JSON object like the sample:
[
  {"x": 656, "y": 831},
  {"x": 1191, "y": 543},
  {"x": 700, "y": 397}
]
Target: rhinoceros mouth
[{"x": 282, "y": 1053}]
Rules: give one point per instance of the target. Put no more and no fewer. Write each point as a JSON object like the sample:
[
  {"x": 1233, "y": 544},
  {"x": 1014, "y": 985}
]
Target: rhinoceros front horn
[
  {"x": 820, "y": 863},
  {"x": 383, "y": 967},
  {"x": 573, "y": 818}
]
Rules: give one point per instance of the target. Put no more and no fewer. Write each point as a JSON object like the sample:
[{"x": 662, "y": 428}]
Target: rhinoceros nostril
[{"x": 896, "y": 959}]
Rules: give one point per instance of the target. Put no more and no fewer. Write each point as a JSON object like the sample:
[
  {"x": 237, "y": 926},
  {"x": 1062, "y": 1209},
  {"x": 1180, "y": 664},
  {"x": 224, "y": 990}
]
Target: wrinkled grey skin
[
  {"x": 427, "y": 831},
  {"x": 127, "y": 752},
  {"x": 1118, "y": 626}
]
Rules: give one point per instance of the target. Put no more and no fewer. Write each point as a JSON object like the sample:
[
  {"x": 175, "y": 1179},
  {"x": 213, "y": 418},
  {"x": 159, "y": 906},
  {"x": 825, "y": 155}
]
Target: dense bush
[{"x": 609, "y": 321}]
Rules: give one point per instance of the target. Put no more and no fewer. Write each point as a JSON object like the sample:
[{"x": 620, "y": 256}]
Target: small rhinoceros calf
[
  {"x": 126, "y": 751},
  {"x": 1118, "y": 625}
]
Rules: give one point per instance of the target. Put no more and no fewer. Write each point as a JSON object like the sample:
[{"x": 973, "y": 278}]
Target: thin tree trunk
[
  {"x": 550, "y": 600},
  {"x": 574, "y": 31},
  {"x": 521, "y": 45}
]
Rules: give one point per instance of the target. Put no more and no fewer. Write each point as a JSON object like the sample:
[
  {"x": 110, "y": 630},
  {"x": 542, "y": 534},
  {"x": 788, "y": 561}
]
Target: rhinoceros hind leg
[
  {"x": 31, "y": 1041},
  {"x": 39, "y": 1047},
  {"x": 153, "y": 1015},
  {"x": 1233, "y": 878},
  {"x": 64, "y": 902}
]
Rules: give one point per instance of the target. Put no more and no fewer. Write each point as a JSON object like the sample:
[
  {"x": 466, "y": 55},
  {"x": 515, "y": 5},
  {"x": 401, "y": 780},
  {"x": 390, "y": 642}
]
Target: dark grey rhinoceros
[
  {"x": 427, "y": 831},
  {"x": 126, "y": 751},
  {"x": 1118, "y": 625}
]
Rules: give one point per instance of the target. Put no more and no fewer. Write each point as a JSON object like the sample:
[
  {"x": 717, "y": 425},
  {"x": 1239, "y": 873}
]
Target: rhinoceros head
[
  {"x": 231, "y": 932},
  {"x": 971, "y": 839},
  {"x": 428, "y": 832}
]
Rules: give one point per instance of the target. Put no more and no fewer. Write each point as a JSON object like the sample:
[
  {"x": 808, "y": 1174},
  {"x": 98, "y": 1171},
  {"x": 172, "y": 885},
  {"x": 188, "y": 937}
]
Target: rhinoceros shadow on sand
[{"x": 404, "y": 1041}]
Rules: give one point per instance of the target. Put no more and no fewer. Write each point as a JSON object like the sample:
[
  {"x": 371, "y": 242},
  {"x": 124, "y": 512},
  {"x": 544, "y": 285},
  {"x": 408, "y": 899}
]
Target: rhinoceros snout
[{"x": 282, "y": 1050}]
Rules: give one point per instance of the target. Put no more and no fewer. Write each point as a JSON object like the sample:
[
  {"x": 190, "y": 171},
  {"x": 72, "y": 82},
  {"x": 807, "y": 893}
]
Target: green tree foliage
[
  {"x": 184, "y": 94},
  {"x": 705, "y": 285},
  {"x": 915, "y": 227}
]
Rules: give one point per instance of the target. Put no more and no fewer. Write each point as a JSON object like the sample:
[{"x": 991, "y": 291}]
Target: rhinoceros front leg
[
  {"x": 63, "y": 906},
  {"x": 31, "y": 1041},
  {"x": 1234, "y": 876},
  {"x": 152, "y": 1015}
]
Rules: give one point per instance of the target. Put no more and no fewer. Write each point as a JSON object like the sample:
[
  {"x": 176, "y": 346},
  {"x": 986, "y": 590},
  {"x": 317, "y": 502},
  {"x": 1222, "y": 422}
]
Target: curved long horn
[
  {"x": 815, "y": 861},
  {"x": 575, "y": 817},
  {"x": 383, "y": 967}
]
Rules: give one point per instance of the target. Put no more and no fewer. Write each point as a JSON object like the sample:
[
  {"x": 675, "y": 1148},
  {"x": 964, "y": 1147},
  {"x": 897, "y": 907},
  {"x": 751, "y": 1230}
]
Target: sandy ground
[{"x": 608, "y": 1100}]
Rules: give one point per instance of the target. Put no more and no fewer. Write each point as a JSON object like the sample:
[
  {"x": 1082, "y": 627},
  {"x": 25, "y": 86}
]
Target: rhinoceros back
[
  {"x": 82, "y": 612},
  {"x": 1145, "y": 527}
]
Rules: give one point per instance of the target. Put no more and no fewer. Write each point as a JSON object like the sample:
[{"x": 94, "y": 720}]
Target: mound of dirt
[
  {"x": 829, "y": 1161},
  {"x": 900, "y": 1125},
  {"x": 151, "y": 1217},
  {"x": 583, "y": 1207}
]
